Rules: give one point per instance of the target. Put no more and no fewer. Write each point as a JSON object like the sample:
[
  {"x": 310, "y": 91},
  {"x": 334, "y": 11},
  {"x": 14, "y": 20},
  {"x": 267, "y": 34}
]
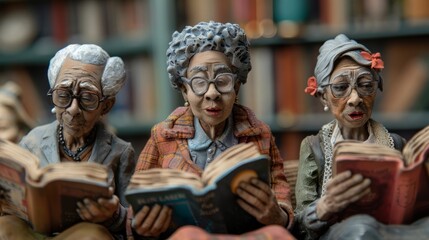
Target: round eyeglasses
[
  {"x": 63, "y": 98},
  {"x": 224, "y": 83},
  {"x": 341, "y": 90}
]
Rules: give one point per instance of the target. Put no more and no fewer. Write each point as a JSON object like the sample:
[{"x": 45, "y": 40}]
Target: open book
[
  {"x": 399, "y": 181},
  {"x": 209, "y": 202},
  {"x": 47, "y": 197}
]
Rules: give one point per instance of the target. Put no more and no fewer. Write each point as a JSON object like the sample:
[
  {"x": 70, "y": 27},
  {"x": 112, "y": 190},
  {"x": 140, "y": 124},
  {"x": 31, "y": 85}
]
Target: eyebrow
[
  {"x": 347, "y": 74},
  {"x": 199, "y": 69},
  {"x": 218, "y": 68},
  {"x": 85, "y": 85}
]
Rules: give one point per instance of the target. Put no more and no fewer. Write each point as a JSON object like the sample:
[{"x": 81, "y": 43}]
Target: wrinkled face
[
  {"x": 351, "y": 110},
  {"x": 79, "y": 78},
  {"x": 213, "y": 107},
  {"x": 9, "y": 127}
]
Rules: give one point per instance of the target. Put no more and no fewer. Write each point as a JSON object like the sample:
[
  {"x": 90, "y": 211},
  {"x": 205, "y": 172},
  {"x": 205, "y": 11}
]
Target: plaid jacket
[{"x": 168, "y": 147}]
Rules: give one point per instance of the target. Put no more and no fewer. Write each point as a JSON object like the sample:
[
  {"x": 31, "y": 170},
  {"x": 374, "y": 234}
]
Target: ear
[
  {"x": 237, "y": 87},
  {"x": 323, "y": 99},
  {"x": 184, "y": 92},
  {"x": 108, "y": 104}
]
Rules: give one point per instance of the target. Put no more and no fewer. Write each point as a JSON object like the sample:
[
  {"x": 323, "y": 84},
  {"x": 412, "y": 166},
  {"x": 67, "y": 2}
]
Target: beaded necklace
[{"x": 75, "y": 155}]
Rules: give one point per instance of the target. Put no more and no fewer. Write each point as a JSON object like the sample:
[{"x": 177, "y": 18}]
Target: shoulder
[
  {"x": 311, "y": 143},
  {"x": 179, "y": 124},
  {"x": 38, "y": 133},
  {"x": 245, "y": 116},
  {"x": 50, "y": 127},
  {"x": 178, "y": 114},
  {"x": 380, "y": 130},
  {"x": 116, "y": 142},
  {"x": 398, "y": 141}
]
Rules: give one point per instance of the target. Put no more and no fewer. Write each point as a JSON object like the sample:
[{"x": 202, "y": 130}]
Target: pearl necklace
[{"x": 75, "y": 155}]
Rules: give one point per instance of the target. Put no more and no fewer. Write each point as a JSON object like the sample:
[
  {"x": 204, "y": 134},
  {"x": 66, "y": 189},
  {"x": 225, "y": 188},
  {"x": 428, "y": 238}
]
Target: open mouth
[
  {"x": 213, "y": 111},
  {"x": 356, "y": 115}
]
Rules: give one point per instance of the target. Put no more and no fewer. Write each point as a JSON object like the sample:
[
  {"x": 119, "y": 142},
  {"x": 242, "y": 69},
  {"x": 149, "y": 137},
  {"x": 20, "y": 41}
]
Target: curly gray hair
[
  {"x": 334, "y": 49},
  {"x": 113, "y": 77},
  {"x": 205, "y": 36}
]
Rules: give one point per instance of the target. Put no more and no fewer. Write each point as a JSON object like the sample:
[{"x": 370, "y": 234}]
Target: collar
[
  {"x": 202, "y": 141},
  {"x": 337, "y": 136},
  {"x": 180, "y": 123}
]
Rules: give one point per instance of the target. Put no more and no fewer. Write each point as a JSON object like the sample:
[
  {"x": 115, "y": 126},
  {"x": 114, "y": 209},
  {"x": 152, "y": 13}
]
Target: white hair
[{"x": 113, "y": 77}]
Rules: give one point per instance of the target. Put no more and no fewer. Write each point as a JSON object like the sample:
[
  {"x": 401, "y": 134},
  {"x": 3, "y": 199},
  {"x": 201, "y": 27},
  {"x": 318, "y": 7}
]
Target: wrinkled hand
[
  {"x": 257, "y": 198},
  {"x": 341, "y": 191},
  {"x": 98, "y": 211},
  {"x": 152, "y": 221}
]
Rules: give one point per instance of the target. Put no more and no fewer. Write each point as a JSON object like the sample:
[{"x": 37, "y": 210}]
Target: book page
[
  {"x": 227, "y": 159},
  {"x": 13, "y": 191},
  {"x": 416, "y": 145},
  {"x": 61, "y": 195},
  {"x": 393, "y": 185},
  {"x": 212, "y": 204},
  {"x": 164, "y": 178},
  {"x": 14, "y": 164},
  {"x": 236, "y": 219}
]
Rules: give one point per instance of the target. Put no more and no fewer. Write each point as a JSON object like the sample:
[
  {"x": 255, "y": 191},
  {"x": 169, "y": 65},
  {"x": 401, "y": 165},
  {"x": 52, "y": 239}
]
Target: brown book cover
[
  {"x": 47, "y": 197},
  {"x": 208, "y": 201},
  {"x": 398, "y": 179}
]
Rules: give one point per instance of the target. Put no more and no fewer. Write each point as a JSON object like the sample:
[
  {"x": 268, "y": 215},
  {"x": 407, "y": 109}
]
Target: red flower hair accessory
[
  {"x": 376, "y": 62},
  {"x": 311, "y": 86}
]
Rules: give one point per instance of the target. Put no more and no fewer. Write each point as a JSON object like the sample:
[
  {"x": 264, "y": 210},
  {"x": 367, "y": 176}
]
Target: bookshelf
[
  {"x": 285, "y": 37},
  {"x": 136, "y": 30},
  {"x": 399, "y": 30}
]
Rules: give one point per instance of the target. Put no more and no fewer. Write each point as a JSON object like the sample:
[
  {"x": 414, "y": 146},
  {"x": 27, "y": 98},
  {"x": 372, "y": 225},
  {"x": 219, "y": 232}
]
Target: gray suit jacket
[{"x": 108, "y": 150}]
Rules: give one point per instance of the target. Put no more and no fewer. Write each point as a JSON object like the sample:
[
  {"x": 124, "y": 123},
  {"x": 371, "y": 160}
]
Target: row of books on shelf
[
  {"x": 47, "y": 196},
  {"x": 66, "y": 21},
  {"x": 291, "y": 18},
  {"x": 137, "y": 102}
]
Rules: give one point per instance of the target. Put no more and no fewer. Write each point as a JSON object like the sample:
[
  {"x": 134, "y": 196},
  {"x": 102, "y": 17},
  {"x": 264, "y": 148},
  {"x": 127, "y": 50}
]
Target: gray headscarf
[
  {"x": 113, "y": 77},
  {"x": 227, "y": 38},
  {"x": 339, "y": 47}
]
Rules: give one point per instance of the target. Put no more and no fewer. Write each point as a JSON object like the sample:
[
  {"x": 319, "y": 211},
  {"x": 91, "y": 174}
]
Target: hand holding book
[
  {"x": 208, "y": 201},
  {"x": 398, "y": 180},
  {"x": 47, "y": 197}
]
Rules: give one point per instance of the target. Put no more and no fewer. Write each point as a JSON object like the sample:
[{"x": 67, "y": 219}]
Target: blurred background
[{"x": 285, "y": 36}]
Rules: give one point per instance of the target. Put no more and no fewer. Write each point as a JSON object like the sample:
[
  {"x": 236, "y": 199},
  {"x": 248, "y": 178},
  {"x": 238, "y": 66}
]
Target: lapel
[
  {"x": 49, "y": 145},
  {"x": 102, "y": 145}
]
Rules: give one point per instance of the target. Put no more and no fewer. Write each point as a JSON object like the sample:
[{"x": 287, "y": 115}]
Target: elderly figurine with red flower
[{"x": 347, "y": 79}]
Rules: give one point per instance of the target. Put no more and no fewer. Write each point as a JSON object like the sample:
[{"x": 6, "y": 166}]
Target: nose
[
  {"x": 74, "y": 107},
  {"x": 354, "y": 98},
  {"x": 212, "y": 93}
]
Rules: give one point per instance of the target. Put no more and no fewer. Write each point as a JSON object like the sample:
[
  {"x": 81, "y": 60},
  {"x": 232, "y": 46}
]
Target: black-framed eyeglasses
[
  {"x": 364, "y": 88},
  {"x": 87, "y": 100},
  {"x": 224, "y": 83}
]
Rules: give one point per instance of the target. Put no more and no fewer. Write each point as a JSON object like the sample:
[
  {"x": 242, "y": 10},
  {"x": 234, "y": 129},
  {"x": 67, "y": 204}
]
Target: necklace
[{"x": 75, "y": 155}]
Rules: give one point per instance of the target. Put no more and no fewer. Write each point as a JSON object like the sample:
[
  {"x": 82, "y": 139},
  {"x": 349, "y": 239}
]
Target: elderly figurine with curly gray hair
[
  {"x": 84, "y": 81},
  {"x": 347, "y": 76},
  {"x": 208, "y": 63}
]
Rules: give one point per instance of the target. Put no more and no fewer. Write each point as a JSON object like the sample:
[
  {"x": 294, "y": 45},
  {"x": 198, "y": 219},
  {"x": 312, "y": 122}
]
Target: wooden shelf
[
  {"x": 40, "y": 53},
  {"x": 316, "y": 35},
  {"x": 313, "y": 122}
]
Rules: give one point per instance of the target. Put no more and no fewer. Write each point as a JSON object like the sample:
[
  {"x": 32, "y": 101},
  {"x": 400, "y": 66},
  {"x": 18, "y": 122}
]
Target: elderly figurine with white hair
[
  {"x": 347, "y": 77},
  {"x": 208, "y": 63},
  {"x": 84, "y": 81}
]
